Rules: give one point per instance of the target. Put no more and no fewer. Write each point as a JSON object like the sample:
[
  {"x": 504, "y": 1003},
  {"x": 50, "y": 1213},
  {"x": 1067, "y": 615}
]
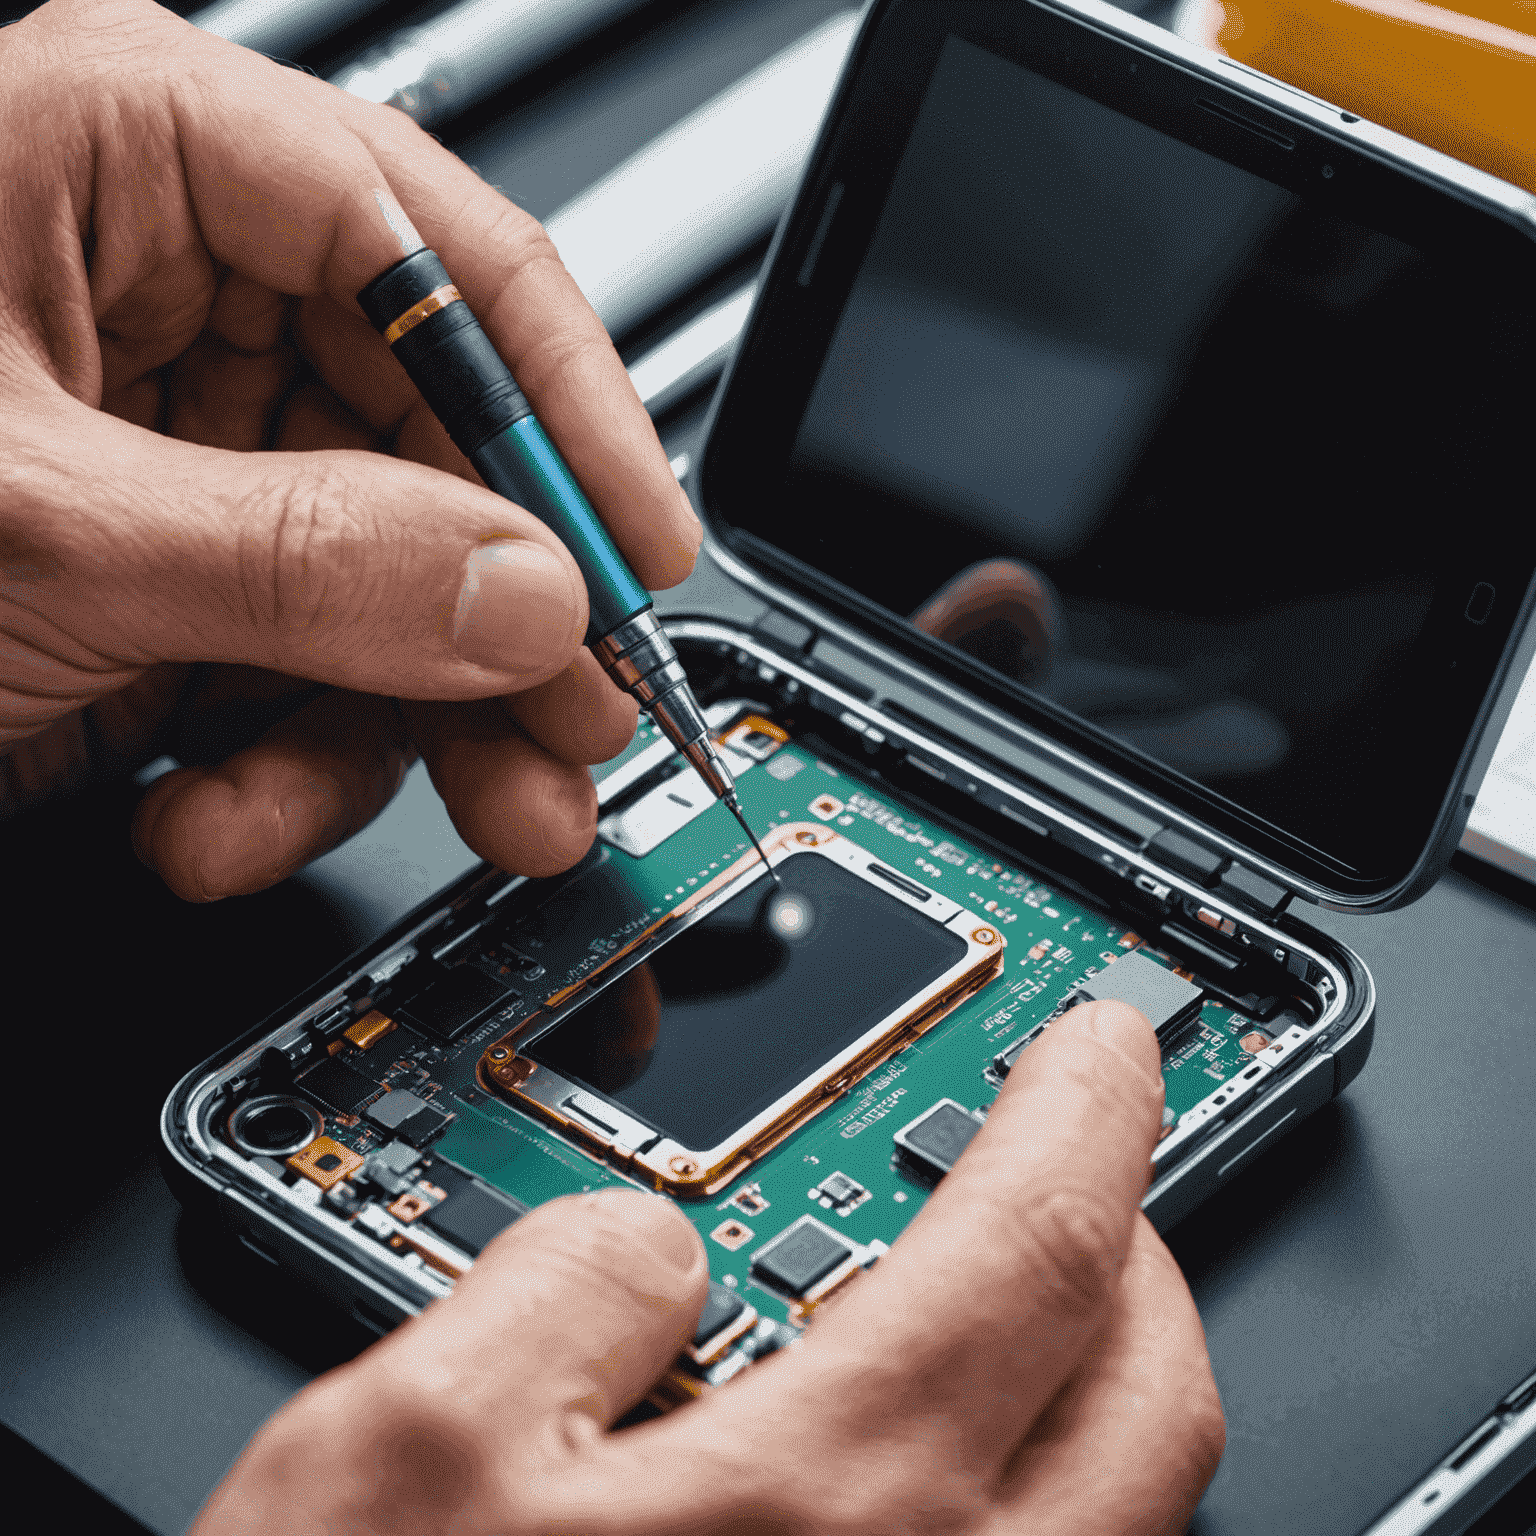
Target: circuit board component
[
  {"x": 273, "y": 1125},
  {"x": 390, "y": 1169},
  {"x": 335, "y": 1086},
  {"x": 407, "y": 1116},
  {"x": 369, "y": 1030},
  {"x": 689, "y": 1066},
  {"x": 454, "y": 1001},
  {"x": 802, "y": 1259},
  {"x": 931, "y": 1145},
  {"x": 325, "y": 1162},
  {"x": 1168, "y": 1002},
  {"x": 469, "y": 1215},
  {"x": 726, "y": 1317},
  {"x": 837, "y": 1192}
]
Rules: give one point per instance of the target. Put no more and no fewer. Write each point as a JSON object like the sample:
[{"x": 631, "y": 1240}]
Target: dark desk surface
[{"x": 1366, "y": 1285}]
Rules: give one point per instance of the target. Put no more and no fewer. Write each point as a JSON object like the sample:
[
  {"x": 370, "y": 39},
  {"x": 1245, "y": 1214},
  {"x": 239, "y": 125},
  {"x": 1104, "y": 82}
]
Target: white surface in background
[
  {"x": 702, "y": 192},
  {"x": 275, "y": 25},
  {"x": 692, "y": 356},
  {"x": 1502, "y": 827},
  {"x": 479, "y": 46}
]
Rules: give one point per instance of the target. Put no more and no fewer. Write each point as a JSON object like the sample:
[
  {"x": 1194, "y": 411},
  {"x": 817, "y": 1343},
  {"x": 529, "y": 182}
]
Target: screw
[
  {"x": 984, "y": 936},
  {"x": 684, "y": 1166}
]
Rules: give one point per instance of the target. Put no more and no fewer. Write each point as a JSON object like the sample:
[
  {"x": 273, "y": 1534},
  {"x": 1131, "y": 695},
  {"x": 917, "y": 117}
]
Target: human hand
[
  {"x": 194, "y": 420},
  {"x": 1026, "y": 1358},
  {"x": 1003, "y": 612}
]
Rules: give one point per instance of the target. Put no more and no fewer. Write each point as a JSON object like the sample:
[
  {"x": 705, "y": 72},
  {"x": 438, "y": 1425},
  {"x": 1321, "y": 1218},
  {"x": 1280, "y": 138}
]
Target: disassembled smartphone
[
  {"x": 1050, "y": 358},
  {"x": 796, "y": 1063}
]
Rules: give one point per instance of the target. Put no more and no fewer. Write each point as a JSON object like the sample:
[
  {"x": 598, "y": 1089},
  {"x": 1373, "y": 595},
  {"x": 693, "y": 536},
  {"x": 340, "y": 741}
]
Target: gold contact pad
[
  {"x": 429, "y": 1256},
  {"x": 369, "y": 1030},
  {"x": 732, "y": 1234},
  {"x": 677, "y": 1172},
  {"x": 325, "y": 1162},
  {"x": 416, "y": 1202}
]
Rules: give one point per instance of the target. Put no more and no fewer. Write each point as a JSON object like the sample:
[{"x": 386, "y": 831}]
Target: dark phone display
[
  {"x": 1190, "y": 458},
  {"x": 750, "y": 1001}
]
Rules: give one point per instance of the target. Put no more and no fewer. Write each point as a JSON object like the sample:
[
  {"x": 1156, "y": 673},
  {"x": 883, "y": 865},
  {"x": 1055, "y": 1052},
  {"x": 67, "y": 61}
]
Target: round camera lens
[{"x": 274, "y": 1126}]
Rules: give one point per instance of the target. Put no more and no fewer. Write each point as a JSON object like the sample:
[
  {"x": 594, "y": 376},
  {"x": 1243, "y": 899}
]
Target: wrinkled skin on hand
[
  {"x": 217, "y": 487},
  {"x": 221, "y": 497},
  {"x": 1025, "y": 1359}
]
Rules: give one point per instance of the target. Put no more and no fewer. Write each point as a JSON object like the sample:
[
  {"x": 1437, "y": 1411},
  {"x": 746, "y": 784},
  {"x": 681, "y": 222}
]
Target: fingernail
[
  {"x": 695, "y": 528},
  {"x": 521, "y": 609},
  {"x": 1126, "y": 1033},
  {"x": 660, "y": 1226}
]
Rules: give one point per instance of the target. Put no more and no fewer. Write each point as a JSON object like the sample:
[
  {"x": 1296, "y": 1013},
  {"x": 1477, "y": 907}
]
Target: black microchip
[
  {"x": 806, "y": 1253},
  {"x": 1168, "y": 1001},
  {"x": 456, "y": 1002},
  {"x": 410, "y": 1118},
  {"x": 932, "y": 1144},
  {"x": 472, "y": 1214},
  {"x": 423, "y": 1126},
  {"x": 721, "y": 1308},
  {"x": 335, "y": 1086}
]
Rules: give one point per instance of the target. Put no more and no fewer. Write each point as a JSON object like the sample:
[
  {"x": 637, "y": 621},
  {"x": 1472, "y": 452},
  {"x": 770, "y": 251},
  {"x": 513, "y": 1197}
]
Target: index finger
[
  {"x": 509, "y": 271},
  {"x": 986, "y": 1304},
  {"x": 279, "y": 177}
]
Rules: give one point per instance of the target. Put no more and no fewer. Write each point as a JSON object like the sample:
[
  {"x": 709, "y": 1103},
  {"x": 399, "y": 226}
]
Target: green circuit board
[{"x": 1054, "y": 943}]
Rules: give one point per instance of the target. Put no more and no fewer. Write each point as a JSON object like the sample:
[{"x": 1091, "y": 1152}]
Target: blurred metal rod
[
  {"x": 437, "y": 70},
  {"x": 282, "y": 27},
  {"x": 704, "y": 191},
  {"x": 693, "y": 355}
]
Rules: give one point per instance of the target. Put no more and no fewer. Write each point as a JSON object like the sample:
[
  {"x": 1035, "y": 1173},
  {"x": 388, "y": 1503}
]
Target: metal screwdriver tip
[{"x": 735, "y": 806}]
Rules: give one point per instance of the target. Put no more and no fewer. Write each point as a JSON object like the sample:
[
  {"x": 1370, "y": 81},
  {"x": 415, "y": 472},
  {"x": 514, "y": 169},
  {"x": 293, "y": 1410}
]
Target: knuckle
[
  {"x": 563, "y": 818},
  {"x": 516, "y": 231},
  {"x": 1206, "y": 1429},
  {"x": 306, "y": 512},
  {"x": 1073, "y": 1241},
  {"x": 299, "y": 532},
  {"x": 422, "y": 1455},
  {"x": 398, "y": 1396},
  {"x": 431, "y": 1446},
  {"x": 889, "y": 1496}
]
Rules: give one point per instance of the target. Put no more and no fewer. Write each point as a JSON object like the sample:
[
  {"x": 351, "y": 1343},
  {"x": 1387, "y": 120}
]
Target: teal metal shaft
[{"x": 521, "y": 463}]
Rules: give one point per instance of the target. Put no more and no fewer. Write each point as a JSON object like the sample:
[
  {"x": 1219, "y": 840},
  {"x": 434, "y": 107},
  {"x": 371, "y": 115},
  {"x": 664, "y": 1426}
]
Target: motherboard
[{"x": 898, "y": 971}]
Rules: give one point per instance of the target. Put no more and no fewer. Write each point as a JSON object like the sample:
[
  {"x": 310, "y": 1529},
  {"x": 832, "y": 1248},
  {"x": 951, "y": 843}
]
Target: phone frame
[{"x": 1304, "y": 1071}]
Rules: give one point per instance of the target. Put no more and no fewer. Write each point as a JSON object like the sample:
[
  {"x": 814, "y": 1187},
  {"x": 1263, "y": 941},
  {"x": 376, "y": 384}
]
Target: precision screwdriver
[{"x": 461, "y": 376}]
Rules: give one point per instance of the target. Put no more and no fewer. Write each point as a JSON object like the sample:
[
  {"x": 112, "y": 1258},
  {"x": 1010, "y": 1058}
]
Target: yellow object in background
[{"x": 1462, "y": 81}]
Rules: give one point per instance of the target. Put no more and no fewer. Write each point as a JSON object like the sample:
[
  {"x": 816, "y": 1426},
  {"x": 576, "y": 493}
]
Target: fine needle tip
[{"x": 736, "y": 812}]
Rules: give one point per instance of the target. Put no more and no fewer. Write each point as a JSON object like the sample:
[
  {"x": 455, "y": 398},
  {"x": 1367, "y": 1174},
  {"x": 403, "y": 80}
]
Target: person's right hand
[
  {"x": 1025, "y": 1359},
  {"x": 221, "y": 496}
]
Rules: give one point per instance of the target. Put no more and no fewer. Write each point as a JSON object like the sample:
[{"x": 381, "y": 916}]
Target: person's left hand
[
  {"x": 1025, "y": 1359},
  {"x": 201, "y": 525}
]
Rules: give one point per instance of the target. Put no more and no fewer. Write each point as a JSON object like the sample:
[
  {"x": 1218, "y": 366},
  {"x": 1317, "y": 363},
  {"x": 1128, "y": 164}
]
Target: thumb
[
  {"x": 453, "y": 1420},
  {"x": 348, "y": 567},
  {"x": 565, "y": 1320}
]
